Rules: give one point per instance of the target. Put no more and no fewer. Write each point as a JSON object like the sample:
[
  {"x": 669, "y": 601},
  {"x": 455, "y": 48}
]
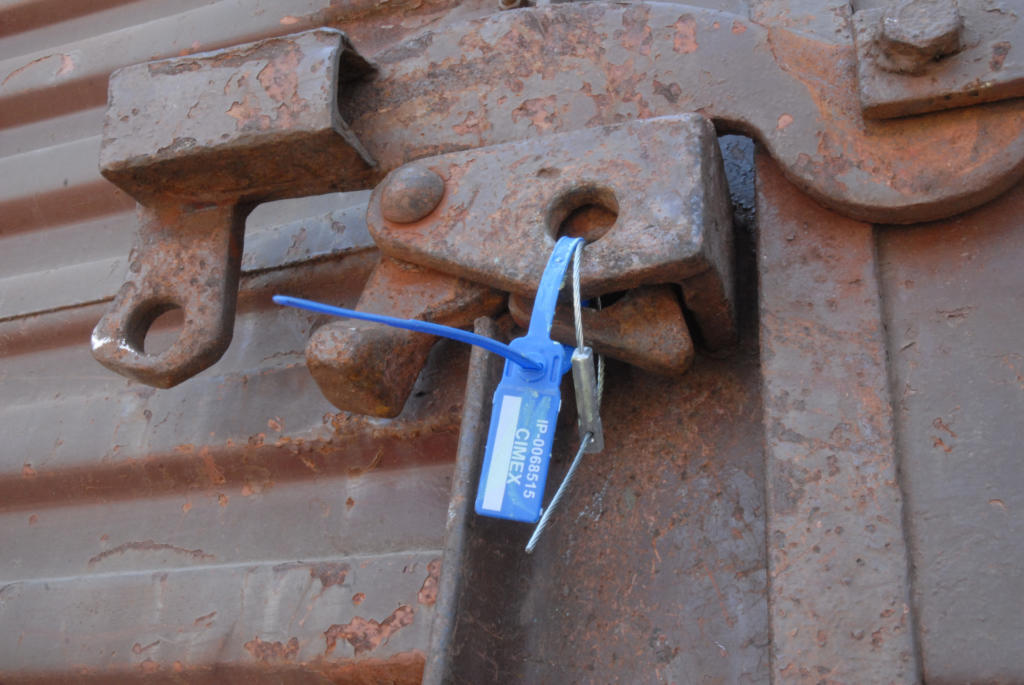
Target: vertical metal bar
[
  {"x": 484, "y": 372},
  {"x": 839, "y": 588}
]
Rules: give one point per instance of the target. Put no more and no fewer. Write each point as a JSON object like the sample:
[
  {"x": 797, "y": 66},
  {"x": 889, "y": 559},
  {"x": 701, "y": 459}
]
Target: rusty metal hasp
[
  {"x": 454, "y": 242},
  {"x": 526, "y": 402},
  {"x": 660, "y": 180},
  {"x": 198, "y": 141}
]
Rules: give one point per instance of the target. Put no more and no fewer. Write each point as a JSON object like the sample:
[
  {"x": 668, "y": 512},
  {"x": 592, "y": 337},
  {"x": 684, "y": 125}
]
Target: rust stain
[
  {"x": 329, "y": 573},
  {"x": 374, "y": 463},
  {"x": 784, "y": 121},
  {"x": 999, "y": 52},
  {"x": 831, "y": 465},
  {"x": 139, "y": 649},
  {"x": 222, "y": 499},
  {"x": 280, "y": 80},
  {"x": 212, "y": 471},
  {"x": 473, "y": 123},
  {"x": 248, "y": 114},
  {"x": 541, "y": 112},
  {"x": 27, "y": 471},
  {"x": 637, "y": 35},
  {"x": 685, "y": 40},
  {"x": 63, "y": 69},
  {"x": 67, "y": 65},
  {"x": 205, "y": 619},
  {"x": 275, "y": 424},
  {"x": 941, "y": 425},
  {"x": 738, "y": 28},
  {"x": 150, "y": 546},
  {"x": 33, "y": 520},
  {"x": 427, "y": 596},
  {"x": 186, "y": 507},
  {"x": 670, "y": 92},
  {"x": 358, "y": 598},
  {"x": 405, "y": 668},
  {"x": 273, "y": 652},
  {"x": 846, "y": 144},
  {"x": 366, "y": 635}
]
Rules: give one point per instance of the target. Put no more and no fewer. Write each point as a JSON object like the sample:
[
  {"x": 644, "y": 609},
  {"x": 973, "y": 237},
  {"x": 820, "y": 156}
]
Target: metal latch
[
  {"x": 483, "y": 222},
  {"x": 198, "y": 141}
]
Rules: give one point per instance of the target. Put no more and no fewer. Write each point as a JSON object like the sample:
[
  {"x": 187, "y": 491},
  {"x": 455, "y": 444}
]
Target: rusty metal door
[{"x": 811, "y": 469}]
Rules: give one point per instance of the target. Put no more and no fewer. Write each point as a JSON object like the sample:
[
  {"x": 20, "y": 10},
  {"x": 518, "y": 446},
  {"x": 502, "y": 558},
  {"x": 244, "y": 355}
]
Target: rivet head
[{"x": 410, "y": 193}]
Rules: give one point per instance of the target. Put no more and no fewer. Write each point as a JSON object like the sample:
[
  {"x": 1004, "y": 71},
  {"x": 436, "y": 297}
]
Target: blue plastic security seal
[
  {"x": 525, "y": 409},
  {"x": 526, "y": 401}
]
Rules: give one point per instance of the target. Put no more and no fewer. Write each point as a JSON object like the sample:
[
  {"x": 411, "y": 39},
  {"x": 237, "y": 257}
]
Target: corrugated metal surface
[{"x": 242, "y": 518}]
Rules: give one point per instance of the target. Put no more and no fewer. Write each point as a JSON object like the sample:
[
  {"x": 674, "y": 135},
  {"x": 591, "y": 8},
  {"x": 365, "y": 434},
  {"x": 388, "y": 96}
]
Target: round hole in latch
[
  {"x": 164, "y": 331},
  {"x": 156, "y": 327},
  {"x": 587, "y": 211}
]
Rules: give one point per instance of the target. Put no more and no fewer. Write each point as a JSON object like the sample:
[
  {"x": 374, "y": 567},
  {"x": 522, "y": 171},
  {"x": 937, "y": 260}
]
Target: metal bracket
[
  {"x": 503, "y": 207},
  {"x": 197, "y": 141},
  {"x": 918, "y": 56}
]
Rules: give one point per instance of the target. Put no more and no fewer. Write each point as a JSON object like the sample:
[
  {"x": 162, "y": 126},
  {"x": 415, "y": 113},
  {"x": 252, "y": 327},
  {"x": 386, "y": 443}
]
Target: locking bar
[
  {"x": 370, "y": 369},
  {"x": 645, "y": 328}
]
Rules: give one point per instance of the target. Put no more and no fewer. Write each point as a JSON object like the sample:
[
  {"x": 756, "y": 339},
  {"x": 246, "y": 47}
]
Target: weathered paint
[
  {"x": 571, "y": 66},
  {"x": 954, "y": 330},
  {"x": 370, "y": 369},
  {"x": 653, "y": 568},
  {"x": 987, "y": 67},
  {"x": 839, "y": 588}
]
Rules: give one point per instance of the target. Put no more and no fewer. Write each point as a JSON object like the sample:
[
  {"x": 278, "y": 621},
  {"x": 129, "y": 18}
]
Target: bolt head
[
  {"x": 410, "y": 193},
  {"x": 917, "y": 32}
]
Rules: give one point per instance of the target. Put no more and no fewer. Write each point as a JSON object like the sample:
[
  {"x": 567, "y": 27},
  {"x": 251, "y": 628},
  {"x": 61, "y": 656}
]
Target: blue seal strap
[
  {"x": 458, "y": 334},
  {"x": 526, "y": 401},
  {"x": 525, "y": 409}
]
